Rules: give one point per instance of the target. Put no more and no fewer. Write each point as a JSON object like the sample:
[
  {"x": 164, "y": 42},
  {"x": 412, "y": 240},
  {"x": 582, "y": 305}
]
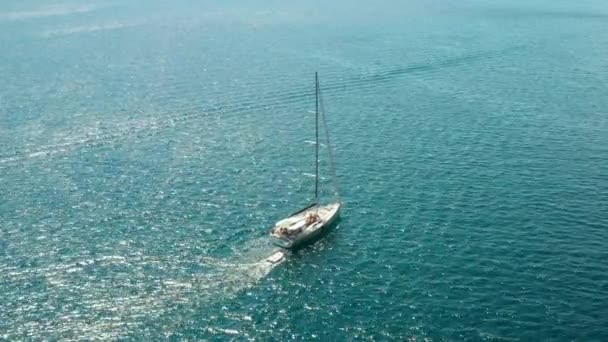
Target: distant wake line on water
[
  {"x": 87, "y": 29},
  {"x": 76, "y": 304},
  {"x": 49, "y": 11},
  {"x": 146, "y": 127}
]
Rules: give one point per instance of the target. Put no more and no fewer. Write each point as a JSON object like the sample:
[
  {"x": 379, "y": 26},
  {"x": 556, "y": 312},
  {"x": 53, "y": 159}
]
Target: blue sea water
[{"x": 146, "y": 147}]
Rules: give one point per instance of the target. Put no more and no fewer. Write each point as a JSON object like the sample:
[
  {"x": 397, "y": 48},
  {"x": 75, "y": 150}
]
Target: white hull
[{"x": 327, "y": 216}]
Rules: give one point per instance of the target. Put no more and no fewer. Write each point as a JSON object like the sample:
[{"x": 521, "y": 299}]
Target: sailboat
[{"x": 308, "y": 224}]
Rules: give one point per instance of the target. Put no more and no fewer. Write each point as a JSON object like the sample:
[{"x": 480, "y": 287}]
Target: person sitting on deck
[{"x": 312, "y": 218}]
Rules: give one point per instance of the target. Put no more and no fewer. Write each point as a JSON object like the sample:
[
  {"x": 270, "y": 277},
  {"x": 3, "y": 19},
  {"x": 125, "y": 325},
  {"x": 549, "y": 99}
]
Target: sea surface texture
[{"x": 147, "y": 147}]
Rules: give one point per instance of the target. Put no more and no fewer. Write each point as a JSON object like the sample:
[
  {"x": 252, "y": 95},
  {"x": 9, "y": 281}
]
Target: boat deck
[{"x": 297, "y": 228}]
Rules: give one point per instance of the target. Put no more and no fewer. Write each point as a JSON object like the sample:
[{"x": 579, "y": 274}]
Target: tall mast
[{"x": 316, "y": 138}]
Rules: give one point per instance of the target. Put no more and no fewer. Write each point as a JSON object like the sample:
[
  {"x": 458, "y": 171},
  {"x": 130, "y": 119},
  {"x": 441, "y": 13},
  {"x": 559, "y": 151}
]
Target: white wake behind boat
[{"x": 308, "y": 224}]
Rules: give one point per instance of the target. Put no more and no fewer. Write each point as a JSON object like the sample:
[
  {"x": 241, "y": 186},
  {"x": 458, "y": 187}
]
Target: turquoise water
[{"x": 147, "y": 147}]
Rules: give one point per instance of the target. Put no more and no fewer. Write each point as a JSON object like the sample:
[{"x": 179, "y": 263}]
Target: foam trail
[
  {"x": 134, "y": 295},
  {"x": 237, "y": 277}
]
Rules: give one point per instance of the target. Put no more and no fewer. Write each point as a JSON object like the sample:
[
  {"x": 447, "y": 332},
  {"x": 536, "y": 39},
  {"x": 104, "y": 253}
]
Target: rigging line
[{"x": 332, "y": 166}]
